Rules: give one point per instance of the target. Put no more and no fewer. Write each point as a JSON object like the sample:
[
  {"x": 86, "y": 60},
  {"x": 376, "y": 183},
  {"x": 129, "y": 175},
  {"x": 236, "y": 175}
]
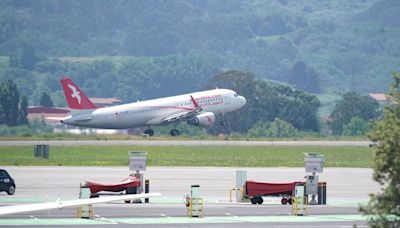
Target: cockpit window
[{"x": 235, "y": 95}]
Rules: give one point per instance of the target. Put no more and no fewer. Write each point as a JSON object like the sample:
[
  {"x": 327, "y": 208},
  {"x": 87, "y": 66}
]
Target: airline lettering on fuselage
[{"x": 210, "y": 100}]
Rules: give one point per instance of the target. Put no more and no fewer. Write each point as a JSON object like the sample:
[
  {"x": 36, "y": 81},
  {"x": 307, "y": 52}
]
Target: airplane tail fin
[{"x": 75, "y": 97}]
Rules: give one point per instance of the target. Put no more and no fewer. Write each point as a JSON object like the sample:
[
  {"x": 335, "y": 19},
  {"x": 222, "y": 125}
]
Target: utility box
[
  {"x": 195, "y": 203},
  {"x": 311, "y": 184},
  {"x": 299, "y": 202},
  {"x": 41, "y": 151},
  {"x": 85, "y": 211},
  {"x": 241, "y": 178},
  {"x": 137, "y": 160},
  {"x": 313, "y": 163}
]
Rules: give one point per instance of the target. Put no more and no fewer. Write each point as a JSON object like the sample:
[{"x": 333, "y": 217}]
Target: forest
[{"x": 136, "y": 50}]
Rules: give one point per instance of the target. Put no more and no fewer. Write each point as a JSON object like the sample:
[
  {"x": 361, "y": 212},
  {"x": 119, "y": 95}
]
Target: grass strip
[{"x": 218, "y": 156}]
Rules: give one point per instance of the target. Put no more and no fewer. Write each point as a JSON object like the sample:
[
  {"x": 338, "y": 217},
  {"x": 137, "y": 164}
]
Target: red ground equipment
[
  {"x": 130, "y": 182},
  {"x": 255, "y": 190}
]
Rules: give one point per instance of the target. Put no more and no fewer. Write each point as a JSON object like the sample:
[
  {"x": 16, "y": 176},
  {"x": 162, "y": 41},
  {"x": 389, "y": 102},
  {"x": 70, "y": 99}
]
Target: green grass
[{"x": 222, "y": 156}]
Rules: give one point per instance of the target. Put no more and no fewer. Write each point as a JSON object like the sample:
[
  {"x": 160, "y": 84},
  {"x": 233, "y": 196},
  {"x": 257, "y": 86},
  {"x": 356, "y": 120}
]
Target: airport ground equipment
[
  {"x": 313, "y": 163},
  {"x": 241, "y": 178},
  {"x": 322, "y": 186},
  {"x": 41, "y": 151},
  {"x": 299, "y": 201},
  {"x": 256, "y": 190},
  {"x": 130, "y": 182},
  {"x": 85, "y": 211},
  {"x": 194, "y": 203},
  {"x": 137, "y": 166}
]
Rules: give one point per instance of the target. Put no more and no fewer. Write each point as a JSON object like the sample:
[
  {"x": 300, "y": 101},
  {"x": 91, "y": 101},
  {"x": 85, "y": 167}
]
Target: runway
[
  {"x": 151, "y": 142},
  {"x": 347, "y": 188}
]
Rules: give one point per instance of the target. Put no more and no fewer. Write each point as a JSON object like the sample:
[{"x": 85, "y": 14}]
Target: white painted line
[
  {"x": 104, "y": 219},
  {"x": 228, "y": 214},
  {"x": 162, "y": 215}
]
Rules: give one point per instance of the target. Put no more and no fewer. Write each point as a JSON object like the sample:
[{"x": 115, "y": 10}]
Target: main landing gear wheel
[
  {"x": 174, "y": 132},
  {"x": 284, "y": 201},
  {"x": 149, "y": 132}
]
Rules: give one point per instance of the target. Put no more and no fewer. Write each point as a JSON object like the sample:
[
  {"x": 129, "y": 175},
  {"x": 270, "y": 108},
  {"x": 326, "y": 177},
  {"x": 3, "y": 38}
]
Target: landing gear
[
  {"x": 149, "y": 132},
  {"x": 223, "y": 121},
  {"x": 174, "y": 132}
]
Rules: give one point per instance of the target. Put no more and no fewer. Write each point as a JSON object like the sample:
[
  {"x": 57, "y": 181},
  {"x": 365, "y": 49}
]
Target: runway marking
[
  {"x": 104, "y": 219},
  {"x": 228, "y": 214}
]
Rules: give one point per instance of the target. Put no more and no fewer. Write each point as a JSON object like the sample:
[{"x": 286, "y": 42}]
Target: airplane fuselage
[{"x": 154, "y": 112}]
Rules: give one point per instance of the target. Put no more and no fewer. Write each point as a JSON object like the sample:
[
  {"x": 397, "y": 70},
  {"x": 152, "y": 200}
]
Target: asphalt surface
[
  {"x": 151, "y": 142},
  {"x": 347, "y": 188}
]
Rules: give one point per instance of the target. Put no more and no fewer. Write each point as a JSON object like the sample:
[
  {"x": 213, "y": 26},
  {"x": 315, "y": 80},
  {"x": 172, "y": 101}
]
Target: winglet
[
  {"x": 75, "y": 97},
  {"x": 196, "y": 105}
]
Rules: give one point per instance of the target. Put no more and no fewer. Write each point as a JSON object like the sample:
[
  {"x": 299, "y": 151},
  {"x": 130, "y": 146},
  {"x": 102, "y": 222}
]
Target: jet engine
[{"x": 203, "y": 120}]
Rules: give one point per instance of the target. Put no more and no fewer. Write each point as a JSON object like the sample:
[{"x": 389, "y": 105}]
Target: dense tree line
[
  {"x": 352, "y": 114},
  {"x": 13, "y": 112},
  {"x": 329, "y": 45},
  {"x": 266, "y": 102}
]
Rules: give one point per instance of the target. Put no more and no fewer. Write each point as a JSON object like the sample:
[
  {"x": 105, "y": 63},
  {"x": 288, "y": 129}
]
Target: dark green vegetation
[
  {"x": 315, "y": 45},
  {"x": 386, "y": 131},
  {"x": 352, "y": 113},
  {"x": 266, "y": 103},
  {"x": 137, "y": 50},
  {"x": 12, "y": 111},
  {"x": 228, "y": 156}
]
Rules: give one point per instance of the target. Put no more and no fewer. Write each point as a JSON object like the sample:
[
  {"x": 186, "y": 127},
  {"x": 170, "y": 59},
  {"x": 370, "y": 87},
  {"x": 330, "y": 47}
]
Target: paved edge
[{"x": 186, "y": 220}]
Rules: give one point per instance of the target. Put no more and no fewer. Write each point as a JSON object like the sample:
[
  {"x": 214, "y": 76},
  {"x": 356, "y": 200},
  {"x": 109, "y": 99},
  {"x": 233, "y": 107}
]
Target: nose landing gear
[{"x": 149, "y": 132}]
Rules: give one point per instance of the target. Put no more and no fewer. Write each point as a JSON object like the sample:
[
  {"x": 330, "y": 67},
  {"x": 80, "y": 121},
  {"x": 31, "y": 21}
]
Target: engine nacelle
[{"x": 203, "y": 120}]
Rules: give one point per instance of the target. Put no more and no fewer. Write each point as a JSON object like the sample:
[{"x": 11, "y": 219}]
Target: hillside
[{"x": 318, "y": 46}]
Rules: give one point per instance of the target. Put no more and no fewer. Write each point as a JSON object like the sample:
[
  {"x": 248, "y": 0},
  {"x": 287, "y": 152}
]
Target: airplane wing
[
  {"x": 14, "y": 209},
  {"x": 184, "y": 115}
]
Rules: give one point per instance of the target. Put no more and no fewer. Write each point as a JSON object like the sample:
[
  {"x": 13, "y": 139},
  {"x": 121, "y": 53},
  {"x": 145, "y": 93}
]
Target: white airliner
[{"x": 199, "y": 109}]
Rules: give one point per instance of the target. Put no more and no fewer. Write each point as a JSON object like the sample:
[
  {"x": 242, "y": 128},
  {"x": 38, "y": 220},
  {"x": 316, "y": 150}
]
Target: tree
[
  {"x": 387, "y": 162},
  {"x": 356, "y": 127},
  {"x": 24, "y": 57},
  {"x": 9, "y": 100},
  {"x": 23, "y": 111},
  {"x": 266, "y": 102},
  {"x": 351, "y": 105},
  {"x": 278, "y": 128},
  {"x": 304, "y": 78},
  {"x": 45, "y": 100}
]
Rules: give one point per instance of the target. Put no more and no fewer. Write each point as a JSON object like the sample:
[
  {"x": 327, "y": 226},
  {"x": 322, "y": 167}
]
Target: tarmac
[{"x": 348, "y": 188}]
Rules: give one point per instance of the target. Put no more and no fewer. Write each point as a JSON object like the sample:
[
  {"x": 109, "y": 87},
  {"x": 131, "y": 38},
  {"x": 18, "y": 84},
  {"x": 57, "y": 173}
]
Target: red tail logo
[{"x": 76, "y": 99}]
